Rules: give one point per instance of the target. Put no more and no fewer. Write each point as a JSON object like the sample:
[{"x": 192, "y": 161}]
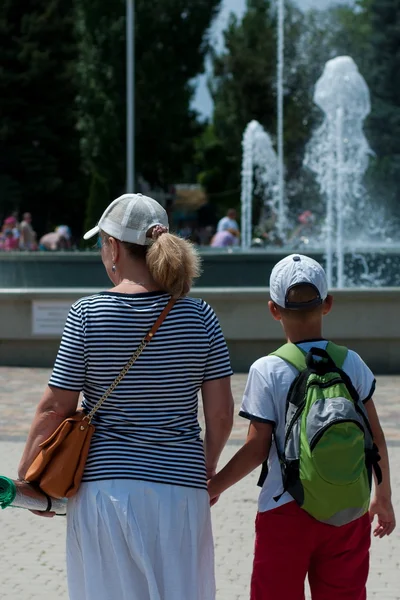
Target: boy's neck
[{"x": 296, "y": 333}]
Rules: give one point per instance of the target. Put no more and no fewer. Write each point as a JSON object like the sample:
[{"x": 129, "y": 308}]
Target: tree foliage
[
  {"x": 243, "y": 88},
  {"x": 63, "y": 100},
  {"x": 171, "y": 43},
  {"x": 39, "y": 145},
  {"x": 383, "y": 77}
]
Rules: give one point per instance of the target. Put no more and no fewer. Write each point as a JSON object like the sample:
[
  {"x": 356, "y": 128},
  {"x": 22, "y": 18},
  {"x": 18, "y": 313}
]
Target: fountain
[
  {"x": 260, "y": 174},
  {"x": 338, "y": 154},
  {"x": 356, "y": 241}
]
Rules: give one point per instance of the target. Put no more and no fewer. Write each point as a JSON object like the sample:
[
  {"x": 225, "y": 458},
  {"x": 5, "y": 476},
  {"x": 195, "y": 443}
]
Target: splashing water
[
  {"x": 338, "y": 154},
  {"x": 260, "y": 175}
]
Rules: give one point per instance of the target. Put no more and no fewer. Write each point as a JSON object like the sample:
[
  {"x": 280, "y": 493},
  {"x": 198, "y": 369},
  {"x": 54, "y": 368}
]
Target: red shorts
[{"x": 290, "y": 544}]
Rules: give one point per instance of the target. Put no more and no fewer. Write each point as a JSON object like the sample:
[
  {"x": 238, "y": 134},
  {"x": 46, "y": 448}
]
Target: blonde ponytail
[{"x": 173, "y": 264}]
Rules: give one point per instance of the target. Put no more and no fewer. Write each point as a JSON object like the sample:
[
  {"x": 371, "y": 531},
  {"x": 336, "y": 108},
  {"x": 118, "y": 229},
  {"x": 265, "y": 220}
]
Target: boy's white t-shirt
[{"x": 264, "y": 400}]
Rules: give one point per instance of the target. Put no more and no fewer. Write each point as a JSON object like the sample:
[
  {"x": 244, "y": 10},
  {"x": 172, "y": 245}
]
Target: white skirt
[{"x": 138, "y": 540}]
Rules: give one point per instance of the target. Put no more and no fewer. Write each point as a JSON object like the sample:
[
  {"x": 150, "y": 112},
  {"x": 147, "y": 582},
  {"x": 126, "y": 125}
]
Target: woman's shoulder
[
  {"x": 189, "y": 301},
  {"x": 197, "y": 305},
  {"x": 88, "y": 302},
  {"x": 202, "y": 310}
]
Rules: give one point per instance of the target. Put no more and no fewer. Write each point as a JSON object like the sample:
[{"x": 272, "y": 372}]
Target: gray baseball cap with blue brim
[{"x": 295, "y": 270}]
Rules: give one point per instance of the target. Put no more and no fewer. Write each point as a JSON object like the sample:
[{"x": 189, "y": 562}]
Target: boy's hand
[
  {"x": 383, "y": 509},
  {"x": 213, "y": 495}
]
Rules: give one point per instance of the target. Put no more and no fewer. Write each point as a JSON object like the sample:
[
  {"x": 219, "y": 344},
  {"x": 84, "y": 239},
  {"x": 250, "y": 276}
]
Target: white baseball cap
[
  {"x": 129, "y": 219},
  {"x": 294, "y": 270}
]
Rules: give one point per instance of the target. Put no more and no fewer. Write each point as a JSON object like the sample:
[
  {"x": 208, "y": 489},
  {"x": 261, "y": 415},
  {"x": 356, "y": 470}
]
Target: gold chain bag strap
[{"x": 59, "y": 466}]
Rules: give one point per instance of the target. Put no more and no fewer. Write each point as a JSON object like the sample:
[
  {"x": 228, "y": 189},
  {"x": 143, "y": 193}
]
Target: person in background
[
  {"x": 10, "y": 242},
  {"x": 9, "y": 235},
  {"x": 12, "y": 223},
  {"x": 16, "y": 225},
  {"x": 60, "y": 239},
  {"x": 140, "y": 524},
  {"x": 229, "y": 223},
  {"x": 185, "y": 230},
  {"x": 206, "y": 222},
  {"x": 223, "y": 239},
  {"x": 27, "y": 240},
  {"x": 306, "y": 222},
  {"x": 205, "y": 235}
]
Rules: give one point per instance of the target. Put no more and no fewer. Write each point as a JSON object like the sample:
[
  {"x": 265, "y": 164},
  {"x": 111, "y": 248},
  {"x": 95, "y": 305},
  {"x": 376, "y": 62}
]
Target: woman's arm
[
  {"x": 218, "y": 413},
  {"x": 55, "y": 406},
  {"x": 381, "y": 504}
]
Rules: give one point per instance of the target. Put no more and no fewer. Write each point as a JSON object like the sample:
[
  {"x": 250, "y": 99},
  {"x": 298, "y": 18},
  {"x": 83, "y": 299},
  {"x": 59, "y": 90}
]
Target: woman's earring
[{"x": 113, "y": 268}]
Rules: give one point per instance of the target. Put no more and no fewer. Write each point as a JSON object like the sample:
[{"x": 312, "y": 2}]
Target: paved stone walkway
[{"x": 32, "y": 549}]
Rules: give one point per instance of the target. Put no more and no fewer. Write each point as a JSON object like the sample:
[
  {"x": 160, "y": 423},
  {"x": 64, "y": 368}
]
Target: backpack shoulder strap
[
  {"x": 293, "y": 355},
  {"x": 337, "y": 353}
]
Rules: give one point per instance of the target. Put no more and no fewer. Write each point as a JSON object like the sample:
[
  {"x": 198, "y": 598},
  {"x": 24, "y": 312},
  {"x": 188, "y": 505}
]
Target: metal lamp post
[
  {"x": 280, "y": 107},
  {"x": 130, "y": 95}
]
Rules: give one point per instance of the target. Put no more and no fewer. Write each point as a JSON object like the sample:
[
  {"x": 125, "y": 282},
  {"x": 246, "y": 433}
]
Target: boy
[{"x": 289, "y": 542}]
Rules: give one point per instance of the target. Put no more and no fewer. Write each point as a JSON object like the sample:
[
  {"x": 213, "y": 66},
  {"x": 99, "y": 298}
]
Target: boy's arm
[
  {"x": 381, "y": 504},
  {"x": 254, "y": 452}
]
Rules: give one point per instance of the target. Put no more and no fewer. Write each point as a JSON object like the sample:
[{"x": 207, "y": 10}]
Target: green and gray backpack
[{"x": 329, "y": 453}]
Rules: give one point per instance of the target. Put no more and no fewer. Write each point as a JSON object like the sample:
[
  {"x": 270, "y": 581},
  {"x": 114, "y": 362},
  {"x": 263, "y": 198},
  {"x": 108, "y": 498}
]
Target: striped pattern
[{"x": 148, "y": 428}]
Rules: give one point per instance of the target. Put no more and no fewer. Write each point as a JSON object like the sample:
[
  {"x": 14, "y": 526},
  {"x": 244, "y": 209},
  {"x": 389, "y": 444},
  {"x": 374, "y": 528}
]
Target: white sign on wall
[{"x": 48, "y": 318}]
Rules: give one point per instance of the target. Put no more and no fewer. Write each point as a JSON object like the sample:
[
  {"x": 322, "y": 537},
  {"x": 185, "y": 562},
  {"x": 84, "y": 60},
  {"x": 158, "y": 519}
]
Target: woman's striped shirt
[{"x": 148, "y": 428}]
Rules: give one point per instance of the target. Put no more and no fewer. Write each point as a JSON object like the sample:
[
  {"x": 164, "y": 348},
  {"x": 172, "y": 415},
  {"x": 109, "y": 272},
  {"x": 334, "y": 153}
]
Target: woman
[{"x": 139, "y": 527}]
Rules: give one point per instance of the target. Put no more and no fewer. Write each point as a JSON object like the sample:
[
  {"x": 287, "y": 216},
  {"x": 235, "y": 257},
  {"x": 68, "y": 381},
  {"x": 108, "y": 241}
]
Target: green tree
[
  {"x": 99, "y": 199},
  {"x": 242, "y": 86},
  {"x": 171, "y": 43},
  {"x": 39, "y": 146},
  {"x": 383, "y": 76}
]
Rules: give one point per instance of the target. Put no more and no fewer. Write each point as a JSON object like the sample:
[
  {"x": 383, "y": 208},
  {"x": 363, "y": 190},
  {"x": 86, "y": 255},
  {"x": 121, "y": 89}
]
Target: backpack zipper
[
  {"x": 356, "y": 405},
  {"x": 293, "y": 421},
  {"x": 321, "y": 432},
  {"x": 301, "y": 407},
  {"x": 327, "y": 384}
]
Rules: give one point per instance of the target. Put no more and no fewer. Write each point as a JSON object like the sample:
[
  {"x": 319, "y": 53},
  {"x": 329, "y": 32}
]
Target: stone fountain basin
[{"x": 221, "y": 268}]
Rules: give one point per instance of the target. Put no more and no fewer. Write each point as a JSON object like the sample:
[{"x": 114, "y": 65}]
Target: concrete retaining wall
[{"x": 366, "y": 320}]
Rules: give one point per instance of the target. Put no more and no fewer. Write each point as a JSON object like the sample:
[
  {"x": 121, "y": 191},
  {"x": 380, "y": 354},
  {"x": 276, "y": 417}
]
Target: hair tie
[{"x": 158, "y": 230}]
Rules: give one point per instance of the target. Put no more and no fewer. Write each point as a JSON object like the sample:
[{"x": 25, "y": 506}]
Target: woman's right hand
[
  {"x": 40, "y": 513},
  {"x": 31, "y": 491}
]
